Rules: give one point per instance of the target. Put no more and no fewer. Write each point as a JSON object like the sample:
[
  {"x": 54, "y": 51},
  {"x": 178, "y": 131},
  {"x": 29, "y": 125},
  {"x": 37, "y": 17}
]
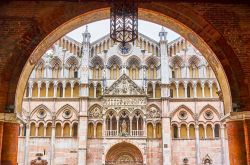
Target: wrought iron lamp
[{"x": 124, "y": 21}]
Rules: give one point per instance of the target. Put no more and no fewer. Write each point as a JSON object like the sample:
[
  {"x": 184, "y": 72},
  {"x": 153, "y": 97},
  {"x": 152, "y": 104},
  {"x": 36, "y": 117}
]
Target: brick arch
[{"x": 156, "y": 12}]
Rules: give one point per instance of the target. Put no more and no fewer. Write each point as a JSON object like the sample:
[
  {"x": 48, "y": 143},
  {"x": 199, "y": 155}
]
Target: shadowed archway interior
[{"x": 124, "y": 154}]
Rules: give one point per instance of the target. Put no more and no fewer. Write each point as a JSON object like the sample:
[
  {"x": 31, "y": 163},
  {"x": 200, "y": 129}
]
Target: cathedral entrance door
[{"x": 124, "y": 154}]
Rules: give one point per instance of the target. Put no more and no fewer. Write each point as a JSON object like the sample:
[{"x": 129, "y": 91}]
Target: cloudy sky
[{"x": 101, "y": 28}]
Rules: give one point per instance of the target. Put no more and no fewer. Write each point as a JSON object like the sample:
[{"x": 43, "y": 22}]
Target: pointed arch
[
  {"x": 41, "y": 106},
  {"x": 114, "y": 60},
  {"x": 97, "y": 61},
  {"x": 67, "y": 106},
  {"x": 208, "y": 106},
  {"x": 182, "y": 107}
]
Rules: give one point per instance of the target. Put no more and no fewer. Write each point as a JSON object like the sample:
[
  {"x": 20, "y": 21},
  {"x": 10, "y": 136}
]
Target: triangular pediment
[{"x": 124, "y": 86}]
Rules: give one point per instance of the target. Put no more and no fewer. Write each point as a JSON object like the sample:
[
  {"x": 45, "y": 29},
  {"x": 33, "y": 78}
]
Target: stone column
[
  {"x": 197, "y": 144},
  {"x": 47, "y": 88},
  {"x": 177, "y": 89},
  {"x": 10, "y": 130},
  {"x": 94, "y": 131},
  {"x": 145, "y": 126},
  {"x": 185, "y": 87},
  {"x": 55, "y": 89},
  {"x": 52, "y": 142},
  {"x": 82, "y": 132},
  {"x": 195, "y": 89},
  {"x": 36, "y": 133},
  {"x": 211, "y": 89},
  {"x": 130, "y": 126},
  {"x": 153, "y": 90},
  {"x": 179, "y": 131},
  {"x": 39, "y": 88},
  {"x": 223, "y": 155},
  {"x": 202, "y": 87},
  {"x": 64, "y": 86},
  {"x": 27, "y": 138},
  {"x": 94, "y": 90},
  {"x": 117, "y": 126},
  {"x": 30, "y": 88},
  {"x": 104, "y": 127},
  {"x": 154, "y": 131},
  {"x": 72, "y": 89}
]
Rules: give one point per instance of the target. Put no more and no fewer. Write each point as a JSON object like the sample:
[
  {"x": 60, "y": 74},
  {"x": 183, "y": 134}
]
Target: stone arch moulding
[{"x": 154, "y": 12}]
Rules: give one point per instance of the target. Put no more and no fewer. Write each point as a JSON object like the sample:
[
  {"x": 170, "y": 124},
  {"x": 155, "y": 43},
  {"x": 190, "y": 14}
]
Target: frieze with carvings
[
  {"x": 124, "y": 86},
  {"x": 124, "y": 101},
  {"x": 153, "y": 112},
  {"x": 95, "y": 113}
]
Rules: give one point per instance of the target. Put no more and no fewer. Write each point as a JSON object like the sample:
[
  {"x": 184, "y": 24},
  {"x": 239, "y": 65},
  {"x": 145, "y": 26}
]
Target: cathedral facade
[{"x": 102, "y": 103}]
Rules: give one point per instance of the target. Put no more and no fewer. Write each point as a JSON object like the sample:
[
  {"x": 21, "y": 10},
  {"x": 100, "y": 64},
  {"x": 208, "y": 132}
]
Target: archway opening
[{"x": 124, "y": 154}]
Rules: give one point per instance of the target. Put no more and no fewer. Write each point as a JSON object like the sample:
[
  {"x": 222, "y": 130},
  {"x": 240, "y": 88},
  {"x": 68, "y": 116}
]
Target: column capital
[
  {"x": 236, "y": 116},
  {"x": 8, "y": 117},
  {"x": 47, "y": 84}
]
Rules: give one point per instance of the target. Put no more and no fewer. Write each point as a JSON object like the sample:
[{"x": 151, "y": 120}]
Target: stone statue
[{"x": 124, "y": 128}]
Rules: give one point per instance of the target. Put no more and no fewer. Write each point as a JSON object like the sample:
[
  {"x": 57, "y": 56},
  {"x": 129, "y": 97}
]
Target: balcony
[{"x": 133, "y": 133}]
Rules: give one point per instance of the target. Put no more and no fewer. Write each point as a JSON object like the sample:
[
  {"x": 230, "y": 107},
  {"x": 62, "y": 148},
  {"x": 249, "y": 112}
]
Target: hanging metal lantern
[{"x": 124, "y": 21}]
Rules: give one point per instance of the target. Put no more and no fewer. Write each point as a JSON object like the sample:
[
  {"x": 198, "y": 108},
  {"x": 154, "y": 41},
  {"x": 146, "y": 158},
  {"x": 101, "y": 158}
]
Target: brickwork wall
[
  {"x": 236, "y": 140},
  {"x": 24, "y": 26}
]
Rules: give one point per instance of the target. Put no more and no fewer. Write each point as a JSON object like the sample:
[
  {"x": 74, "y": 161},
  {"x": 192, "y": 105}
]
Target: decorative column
[
  {"x": 154, "y": 126},
  {"x": 72, "y": 89},
  {"x": 223, "y": 152},
  {"x": 211, "y": 89},
  {"x": 117, "y": 126},
  {"x": 39, "y": 88},
  {"x": 47, "y": 89},
  {"x": 94, "y": 131},
  {"x": 202, "y": 87},
  {"x": 36, "y": 133},
  {"x": 185, "y": 88},
  {"x": 64, "y": 86},
  {"x": 213, "y": 132},
  {"x": 130, "y": 125},
  {"x": 205, "y": 132},
  {"x": 153, "y": 90},
  {"x": 55, "y": 88},
  {"x": 27, "y": 138},
  {"x": 104, "y": 127},
  {"x": 177, "y": 89},
  {"x": 30, "y": 88},
  {"x": 94, "y": 90},
  {"x": 52, "y": 141},
  {"x": 179, "y": 132},
  {"x": 144, "y": 126},
  {"x": 197, "y": 144},
  {"x": 188, "y": 136},
  {"x": 195, "y": 89}
]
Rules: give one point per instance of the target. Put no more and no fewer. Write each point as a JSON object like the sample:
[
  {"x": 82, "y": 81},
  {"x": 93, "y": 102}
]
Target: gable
[{"x": 124, "y": 86}]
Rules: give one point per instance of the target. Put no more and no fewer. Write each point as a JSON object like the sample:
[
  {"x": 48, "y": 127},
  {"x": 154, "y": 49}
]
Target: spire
[
  {"x": 86, "y": 29},
  {"x": 163, "y": 34},
  {"x": 162, "y": 29},
  {"x": 86, "y": 35}
]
